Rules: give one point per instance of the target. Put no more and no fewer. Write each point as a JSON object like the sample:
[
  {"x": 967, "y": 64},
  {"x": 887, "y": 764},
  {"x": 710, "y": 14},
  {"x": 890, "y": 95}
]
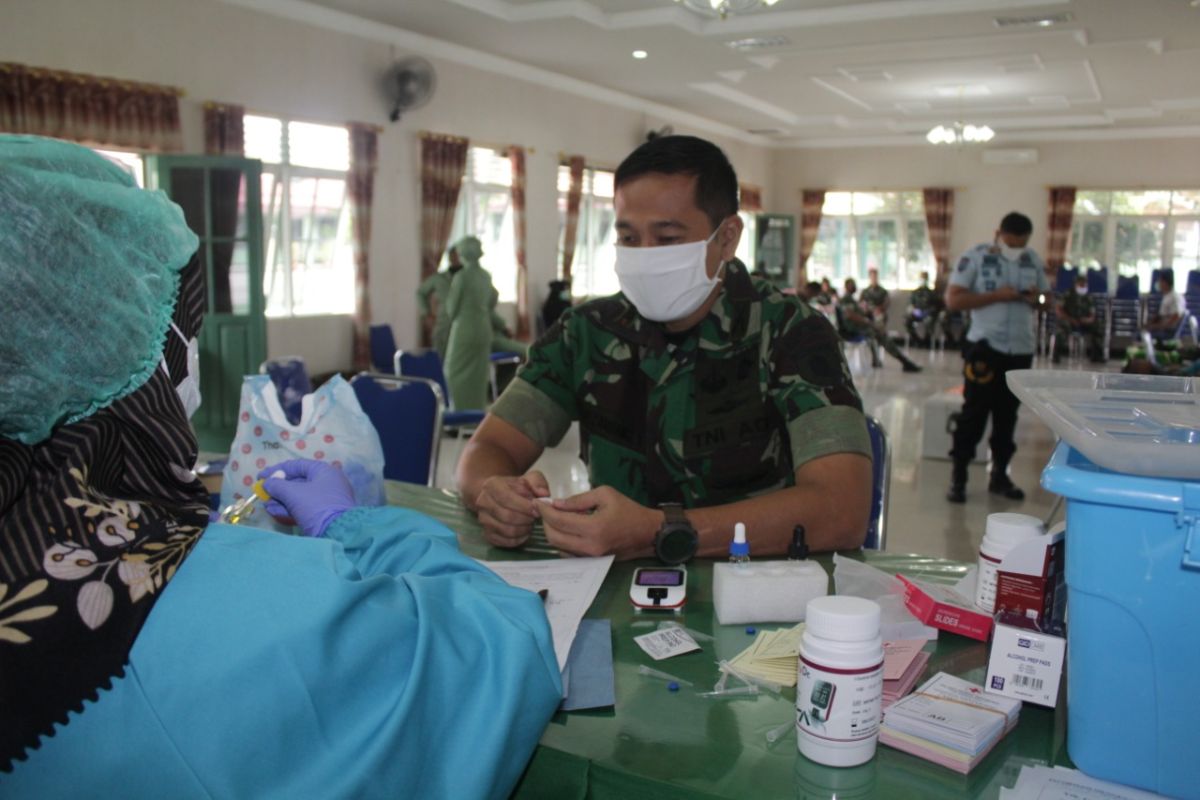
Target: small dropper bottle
[
  {"x": 739, "y": 548},
  {"x": 798, "y": 549},
  {"x": 234, "y": 513}
]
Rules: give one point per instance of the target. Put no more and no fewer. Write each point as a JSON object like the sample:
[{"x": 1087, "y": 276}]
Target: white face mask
[
  {"x": 1011, "y": 253},
  {"x": 1081, "y": 290},
  {"x": 189, "y": 388},
  {"x": 669, "y": 282}
]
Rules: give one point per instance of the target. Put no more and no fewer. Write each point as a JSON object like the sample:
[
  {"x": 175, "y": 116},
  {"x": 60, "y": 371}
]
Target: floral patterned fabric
[{"x": 94, "y": 522}]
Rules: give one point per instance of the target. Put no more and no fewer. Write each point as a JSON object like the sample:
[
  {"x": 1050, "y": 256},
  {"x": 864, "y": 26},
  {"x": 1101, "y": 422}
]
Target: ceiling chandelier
[
  {"x": 959, "y": 133},
  {"x": 724, "y": 8}
]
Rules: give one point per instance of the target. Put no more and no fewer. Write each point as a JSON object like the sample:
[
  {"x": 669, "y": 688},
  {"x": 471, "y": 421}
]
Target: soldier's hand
[
  {"x": 600, "y": 522},
  {"x": 506, "y": 507}
]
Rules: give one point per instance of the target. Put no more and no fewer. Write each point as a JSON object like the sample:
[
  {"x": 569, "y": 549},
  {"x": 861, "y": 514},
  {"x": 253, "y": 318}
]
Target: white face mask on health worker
[
  {"x": 189, "y": 388},
  {"x": 1011, "y": 253},
  {"x": 668, "y": 282}
]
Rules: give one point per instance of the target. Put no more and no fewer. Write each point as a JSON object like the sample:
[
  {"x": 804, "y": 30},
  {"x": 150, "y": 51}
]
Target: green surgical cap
[{"x": 89, "y": 274}]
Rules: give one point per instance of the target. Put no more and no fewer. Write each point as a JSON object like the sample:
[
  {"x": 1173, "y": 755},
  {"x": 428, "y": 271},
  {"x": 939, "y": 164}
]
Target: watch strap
[{"x": 673, "y": 514}]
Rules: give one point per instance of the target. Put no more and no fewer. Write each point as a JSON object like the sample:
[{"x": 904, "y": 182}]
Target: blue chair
[
  {"x": 383, "y": 345},
  {"x": 502, "y": 358},
  {"x": 1097, "y": 281},
  {"x": 1065, "y": 282},
  {"x": 428, "y": 365},
  {"x": 881, "y": 477},
  {"x": 1193, "y": 283},
  {"x": 407, "y": 414},
  {"x": 1127, "y": 287},
  {"x": 291, "y": 381}
]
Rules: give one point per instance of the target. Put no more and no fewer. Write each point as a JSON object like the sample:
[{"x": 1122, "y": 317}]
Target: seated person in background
[
  {"x": 1077, "y": 314},
  {"x": 697, "y": 387},
  {"x": 812, "y": 294},
  {"x": 856, "y": 321},
  {"x": 215, "y": 660},
  {"x": 924, "y": 308},
  {"x": 1170, "y": 311},
  {"x": 828, "y": 293},
  {"x": 875, "y": 301}
]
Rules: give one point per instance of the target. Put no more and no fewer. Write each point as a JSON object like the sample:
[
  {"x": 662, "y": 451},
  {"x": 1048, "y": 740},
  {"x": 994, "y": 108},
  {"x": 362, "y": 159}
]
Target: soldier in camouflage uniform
[
  {"x": 875, "y": 301},
  {"x": 856, "y": 322},
  {"x": 741, "y": 409},
  {"x": 1077, "y": 314},
  {"x": 924, "y": 307}
]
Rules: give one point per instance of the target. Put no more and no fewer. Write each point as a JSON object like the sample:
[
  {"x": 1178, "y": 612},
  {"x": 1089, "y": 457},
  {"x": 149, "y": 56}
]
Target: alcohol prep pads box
[{"x": 1026, "y": 663}]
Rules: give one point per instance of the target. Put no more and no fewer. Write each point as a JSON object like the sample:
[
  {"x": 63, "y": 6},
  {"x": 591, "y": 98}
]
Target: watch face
[{"x": 676, "y": 544}]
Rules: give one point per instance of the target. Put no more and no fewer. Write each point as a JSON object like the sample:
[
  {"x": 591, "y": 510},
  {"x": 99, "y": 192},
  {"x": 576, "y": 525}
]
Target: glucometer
[{"x": 658, "y": 588}]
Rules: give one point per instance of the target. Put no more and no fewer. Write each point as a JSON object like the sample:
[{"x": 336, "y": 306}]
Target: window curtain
[
  {"x": 224, "y": 133},
  {"x": 516, "y": 155},
  {"x": 1058, "y": 227},
  {"x": 360, "y": 188},
  {"x": 750, "y": 198},
  {"x": 571, "y": 228},
  {"x": 939, "y": 219},
  {"x": 811, "y": 203},
  {"x": 443, "y": 163},
  {"x": 85, "y": 108}
]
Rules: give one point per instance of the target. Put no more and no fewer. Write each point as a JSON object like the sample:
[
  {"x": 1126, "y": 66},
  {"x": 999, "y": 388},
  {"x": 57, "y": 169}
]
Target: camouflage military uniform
[
  {"x": 1077, "y": 307},
  {"x": 722, "y": 412},
  {"x": 924, "y": 300},
  {"x": 873, "y": 298},
  {"x": 875, "y": 337}
]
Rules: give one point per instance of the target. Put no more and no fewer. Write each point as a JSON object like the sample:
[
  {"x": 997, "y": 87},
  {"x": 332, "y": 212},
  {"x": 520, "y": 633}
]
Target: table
[{"x": 659, "y": 744}]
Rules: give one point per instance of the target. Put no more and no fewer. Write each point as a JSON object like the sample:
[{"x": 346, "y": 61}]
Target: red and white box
[
  {"x": 944, "y": 608},
  {"x": 1031, "y": 582}
]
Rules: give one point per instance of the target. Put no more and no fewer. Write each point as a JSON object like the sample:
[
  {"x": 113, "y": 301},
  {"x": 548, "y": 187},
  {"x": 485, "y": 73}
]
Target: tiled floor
[{"x": 919, "y": 518}]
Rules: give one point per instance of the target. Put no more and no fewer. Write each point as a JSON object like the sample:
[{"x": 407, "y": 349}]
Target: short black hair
[
  {"x": 1017, "y": 224},
  {"x": 716, "y": 181},
  {"x": 812, "y": 286},
  {"x": 1167, "y": 277}
]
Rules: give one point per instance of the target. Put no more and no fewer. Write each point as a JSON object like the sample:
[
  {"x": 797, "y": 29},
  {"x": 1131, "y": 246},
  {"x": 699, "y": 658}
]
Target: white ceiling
[{"x": 852, "y": 72}]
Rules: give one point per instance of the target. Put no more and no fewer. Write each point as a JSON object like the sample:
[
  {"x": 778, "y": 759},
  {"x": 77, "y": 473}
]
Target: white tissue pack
[{"x": 766, "y": 591}]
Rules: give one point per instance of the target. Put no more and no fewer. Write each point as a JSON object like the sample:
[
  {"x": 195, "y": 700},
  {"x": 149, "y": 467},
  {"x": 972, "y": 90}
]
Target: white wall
[
  {"x": 270, "y": 65},
  {"x": 984, "y": 194}
]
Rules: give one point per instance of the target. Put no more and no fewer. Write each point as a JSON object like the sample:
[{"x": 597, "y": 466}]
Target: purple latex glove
[{"x": 312, "y": 494}]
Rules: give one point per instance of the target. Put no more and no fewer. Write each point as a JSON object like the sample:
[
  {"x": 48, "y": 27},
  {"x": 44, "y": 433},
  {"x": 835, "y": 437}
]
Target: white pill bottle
[
  {"x": 840, "y": 687},
  {"x": 1004, "y": 532}
]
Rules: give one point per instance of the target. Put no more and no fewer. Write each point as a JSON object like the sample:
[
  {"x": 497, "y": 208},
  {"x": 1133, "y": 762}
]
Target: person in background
[
  {"x": 704, "y": 396},
  {"x": 1077, "y": 314},
  {"x": 558, "y": 300},
  {"x": 431, "y": 300},
  {"x": 149, "y": 651},
  {"x": 1001, "y": 283},
  {"x": 856, "y": 321},
  {"x": 468, "y": 350},
  {"x": 811, "y": 293},
  {"x": 875, "y": 301},
  {"x": 502, "y": 341},
  {"x": 924, "y": 309},
  {"x": 1170, "y": 309},
  {"x": 828, "y": 293}
]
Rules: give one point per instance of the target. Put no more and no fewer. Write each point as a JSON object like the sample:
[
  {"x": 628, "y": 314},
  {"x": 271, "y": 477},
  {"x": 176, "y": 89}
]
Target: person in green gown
[
  {"x": 431, "y": 299},
  {"x": 469, "y": 309}
]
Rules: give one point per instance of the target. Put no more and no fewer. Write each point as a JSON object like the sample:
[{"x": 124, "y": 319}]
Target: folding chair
[
  {"x": 429, "y": 365},
  {"x": 881, "y": 477},
  {"x": 501, "y": 359},
  {"x": 407, "y": 414},
  {"x": 383, "y": 345},
  {"x": 291, "y": 381}
]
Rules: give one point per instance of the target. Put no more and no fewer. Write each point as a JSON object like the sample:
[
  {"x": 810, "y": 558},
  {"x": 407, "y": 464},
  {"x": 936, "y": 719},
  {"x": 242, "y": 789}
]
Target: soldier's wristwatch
[{"x": 676, "y": 541}]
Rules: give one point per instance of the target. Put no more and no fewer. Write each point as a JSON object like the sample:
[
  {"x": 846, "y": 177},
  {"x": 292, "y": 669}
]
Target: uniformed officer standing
[
  {"x": 1001, "y": 284},
  {"x": 705, "y": 396}
]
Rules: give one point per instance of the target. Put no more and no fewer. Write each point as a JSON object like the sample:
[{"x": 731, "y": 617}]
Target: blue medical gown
[{"x": 377, "y": 662}]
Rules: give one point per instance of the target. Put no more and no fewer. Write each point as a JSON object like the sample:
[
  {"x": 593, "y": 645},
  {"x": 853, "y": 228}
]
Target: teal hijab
[{"x": 74, "y": 338}]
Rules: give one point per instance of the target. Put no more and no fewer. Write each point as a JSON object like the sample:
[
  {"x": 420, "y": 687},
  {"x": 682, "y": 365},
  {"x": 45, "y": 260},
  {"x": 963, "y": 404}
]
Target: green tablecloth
[{"x": 659, "y": 744}]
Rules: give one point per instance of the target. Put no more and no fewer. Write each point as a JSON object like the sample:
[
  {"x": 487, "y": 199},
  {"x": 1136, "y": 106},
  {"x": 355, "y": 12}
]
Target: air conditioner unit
[{"x": 1010, "y": 156}]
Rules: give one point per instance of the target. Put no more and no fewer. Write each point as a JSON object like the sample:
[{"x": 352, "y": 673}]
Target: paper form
[
  {"x": 571, "y": 585},
  {"x": 1059, "y": 783}
]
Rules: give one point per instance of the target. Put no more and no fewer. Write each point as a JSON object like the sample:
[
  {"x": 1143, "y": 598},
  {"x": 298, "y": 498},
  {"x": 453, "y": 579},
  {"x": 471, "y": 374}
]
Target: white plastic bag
[
  {"x": 333, "y": 428},
  {"x": 896, "y": 622}
]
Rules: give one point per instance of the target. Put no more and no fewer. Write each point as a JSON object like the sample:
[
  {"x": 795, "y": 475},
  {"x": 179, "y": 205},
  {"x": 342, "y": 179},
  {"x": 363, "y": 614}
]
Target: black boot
[
  {"x": 957, "y": 493},
  {"x": 1001, "y": 485},
  {"x": 908, "y": 365}
]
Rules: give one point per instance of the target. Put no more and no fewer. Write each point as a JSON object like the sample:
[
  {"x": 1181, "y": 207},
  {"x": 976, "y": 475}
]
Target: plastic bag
[
  {"x": 332, "y": 427},
  {"x": 896, "y": 622}
]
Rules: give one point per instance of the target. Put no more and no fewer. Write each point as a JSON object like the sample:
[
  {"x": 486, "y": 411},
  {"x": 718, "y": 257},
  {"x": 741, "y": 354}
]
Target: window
[
  {"x": 130, "y": 162},
  {"x": 308, "y": 261},
  {"x": 1136, "y": 232},
  {"x": 872, "y": 230},
  {"x": 485, "y": 211},
  {"x": 593, "y": 270}
]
